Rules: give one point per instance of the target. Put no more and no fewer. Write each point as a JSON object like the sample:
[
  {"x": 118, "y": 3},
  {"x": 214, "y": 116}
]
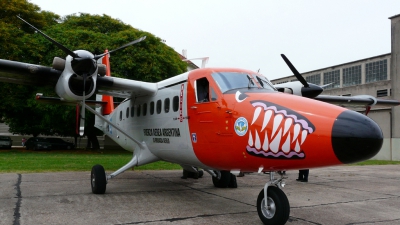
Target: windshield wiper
[{"x": 250, "y": 81}]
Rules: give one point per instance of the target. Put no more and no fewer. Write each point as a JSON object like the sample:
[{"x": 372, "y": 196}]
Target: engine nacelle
[
  {"x": 297, "y": 88},
  {"x": 70, "y": 85}
]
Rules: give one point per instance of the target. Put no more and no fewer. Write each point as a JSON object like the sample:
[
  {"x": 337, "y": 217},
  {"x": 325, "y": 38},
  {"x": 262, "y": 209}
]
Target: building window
[
  {"x": 382, "y": 93},
  {"x": 158, "y": 108},
  {"x": 314, "y": 79},
  {"x": 166, "y": 105},
  {"x": 175, "y": 103},
  {"x": 351, "y": 76},
  {"x": 151, "y": 108},
  {"x": 376, "y": 71},
  {"x": 333, "y": 78}
]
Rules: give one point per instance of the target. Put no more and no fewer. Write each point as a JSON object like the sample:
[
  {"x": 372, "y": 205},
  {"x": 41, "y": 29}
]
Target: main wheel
[
  {"x": 224, "y": 180},
  {"x": 277, "y": 210},
  {"x": 98, "y": 179}
]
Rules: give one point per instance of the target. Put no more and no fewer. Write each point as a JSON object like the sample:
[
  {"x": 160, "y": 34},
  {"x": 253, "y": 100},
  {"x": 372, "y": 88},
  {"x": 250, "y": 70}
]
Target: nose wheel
[{"x": 273, "y": 209}]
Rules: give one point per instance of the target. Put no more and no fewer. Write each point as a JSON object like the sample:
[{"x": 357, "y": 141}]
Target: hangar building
[{"x": 378, "y": 76}]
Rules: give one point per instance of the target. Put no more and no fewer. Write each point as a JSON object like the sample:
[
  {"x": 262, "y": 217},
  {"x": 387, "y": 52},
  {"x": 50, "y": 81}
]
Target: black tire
[
  {"x": 223, "y": 182},
  {"x": 201, "y": 172},
  {"x": 98, "y": 180},
  {"x": 279, "y": 212}
]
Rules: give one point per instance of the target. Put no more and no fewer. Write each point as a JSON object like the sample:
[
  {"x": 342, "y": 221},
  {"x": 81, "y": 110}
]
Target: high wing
[
  {"x": 357, "y": 101},
  {"x": 27, "y": 74},
  {"x": 38, "y": 75}
]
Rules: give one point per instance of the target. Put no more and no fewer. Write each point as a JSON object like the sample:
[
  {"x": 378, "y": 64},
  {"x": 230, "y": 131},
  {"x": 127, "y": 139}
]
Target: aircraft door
[{"x": 204, "y": 113}]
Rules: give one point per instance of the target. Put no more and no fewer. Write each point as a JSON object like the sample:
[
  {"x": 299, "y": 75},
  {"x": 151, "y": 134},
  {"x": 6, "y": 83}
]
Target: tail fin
[{"x": 109, "y": 107}]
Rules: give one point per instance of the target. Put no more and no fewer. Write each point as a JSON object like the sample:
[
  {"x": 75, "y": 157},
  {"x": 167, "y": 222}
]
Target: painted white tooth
[
  {"x": 267, "y": 117},
  {"x": 274, "y": 146},
  {"x": 303, "y": 136},
  {"x": 250, "y": 139},
  {"x": 256, "y": 114},
  {"x": 296, "y": 131},
  {"x": 288, "y": 123},
  {"x": 286, "y": 145},
  {"x": 297, "y": 147},
  {"x": 257, "y": 142},
  {"x": 277, "y": 122},
  {"x": 266, "y": 142}
]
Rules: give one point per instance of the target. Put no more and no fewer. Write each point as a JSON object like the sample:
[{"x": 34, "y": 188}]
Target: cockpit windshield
[
  {"x": 264, "y": 82},
  {"x": 233, "y": 80}
]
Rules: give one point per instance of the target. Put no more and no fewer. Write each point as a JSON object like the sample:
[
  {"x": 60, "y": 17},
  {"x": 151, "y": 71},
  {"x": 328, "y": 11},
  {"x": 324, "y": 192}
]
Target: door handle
[{"x": 193, "y": 107}]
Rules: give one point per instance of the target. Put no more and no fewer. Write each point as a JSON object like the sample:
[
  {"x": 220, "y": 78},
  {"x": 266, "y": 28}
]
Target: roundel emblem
[{"x": 241, "y": 126}]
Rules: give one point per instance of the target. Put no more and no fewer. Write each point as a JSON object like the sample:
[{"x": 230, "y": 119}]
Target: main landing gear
[
  {"x": 273, "y": 209},
  {"x": 98, "y": 177},
  {"x": 224, "y": 179}
]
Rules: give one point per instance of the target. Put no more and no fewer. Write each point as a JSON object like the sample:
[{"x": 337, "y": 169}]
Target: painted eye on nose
[{"x": 240, "y": 97}]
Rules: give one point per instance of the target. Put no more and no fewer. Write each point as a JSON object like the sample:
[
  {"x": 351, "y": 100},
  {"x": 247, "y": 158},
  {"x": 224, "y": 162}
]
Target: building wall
[{"x": 387, "y": 118}]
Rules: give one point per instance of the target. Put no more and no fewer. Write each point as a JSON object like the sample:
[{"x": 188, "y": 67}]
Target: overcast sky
[{"x": 252, "y": 34}]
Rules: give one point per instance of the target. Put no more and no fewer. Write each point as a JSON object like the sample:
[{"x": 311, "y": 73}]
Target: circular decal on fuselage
[{"x": 241, "y": 126}]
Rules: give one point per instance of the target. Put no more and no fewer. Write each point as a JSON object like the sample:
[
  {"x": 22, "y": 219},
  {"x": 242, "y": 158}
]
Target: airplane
[{"x": 225, "y": 121}]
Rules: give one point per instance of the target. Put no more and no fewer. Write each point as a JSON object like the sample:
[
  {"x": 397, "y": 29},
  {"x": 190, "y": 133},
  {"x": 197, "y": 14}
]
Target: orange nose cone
[{"x": 355, "y": 137}]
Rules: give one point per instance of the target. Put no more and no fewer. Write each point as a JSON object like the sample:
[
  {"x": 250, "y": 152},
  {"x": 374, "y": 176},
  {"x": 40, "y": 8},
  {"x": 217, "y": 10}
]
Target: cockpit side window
[
  {"x": 213, "y": 95},
  {"x": 202, "y": 90}
]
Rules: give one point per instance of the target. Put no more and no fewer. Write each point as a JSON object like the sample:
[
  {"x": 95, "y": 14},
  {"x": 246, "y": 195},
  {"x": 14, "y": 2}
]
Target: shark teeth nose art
[{"x": 281, "y": 134}]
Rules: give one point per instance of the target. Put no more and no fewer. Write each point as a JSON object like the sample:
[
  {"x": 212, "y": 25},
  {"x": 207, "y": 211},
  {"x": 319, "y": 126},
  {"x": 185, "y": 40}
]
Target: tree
[{"x": 150, "y": 60}]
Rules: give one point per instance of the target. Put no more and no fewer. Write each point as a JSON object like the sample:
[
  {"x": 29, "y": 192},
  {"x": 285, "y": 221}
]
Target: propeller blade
[
  {"x": 82, "y": 121},
  {"x": 60, "y": 46},
  {"x": 77, "y": 118},
  {"x": 295, "y": 72},
  {"x": 83, "y": 109},
  {"x": 123, "y": 46}
]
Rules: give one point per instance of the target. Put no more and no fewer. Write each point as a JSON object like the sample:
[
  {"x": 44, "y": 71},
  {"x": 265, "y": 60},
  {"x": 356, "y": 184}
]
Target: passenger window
[
  {"x": 166, "y": 105},
  {"x": 158, "y": 106},
  {"x": 138, "y": 110},
  {"x": 175, "y": 103},
  {"x": 151, "y": 108},
  {"x": 202, "y": 92},
  {"x": 132, "y": 111},
  {"x": 144, "y": 109},
  {"x": 127, "y": 112},
  {"x": 120, "y": 115}
]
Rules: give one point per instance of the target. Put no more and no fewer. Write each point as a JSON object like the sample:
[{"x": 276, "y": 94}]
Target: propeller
[
  {"x": 308, "y": 90},
  {"x": 84, "y": 64}
]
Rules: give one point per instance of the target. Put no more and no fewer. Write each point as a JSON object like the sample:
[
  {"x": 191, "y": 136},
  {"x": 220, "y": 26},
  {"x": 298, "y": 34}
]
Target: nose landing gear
[{"x": 272, "y": 204}]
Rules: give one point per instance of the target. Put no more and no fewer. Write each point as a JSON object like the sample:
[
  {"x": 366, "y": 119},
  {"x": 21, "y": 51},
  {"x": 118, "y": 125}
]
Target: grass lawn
[{"x": 24, "y": 161}]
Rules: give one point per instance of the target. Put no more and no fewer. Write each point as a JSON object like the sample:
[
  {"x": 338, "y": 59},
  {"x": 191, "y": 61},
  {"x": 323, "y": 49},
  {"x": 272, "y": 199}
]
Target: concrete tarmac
[{"x": 336, "y": 195}]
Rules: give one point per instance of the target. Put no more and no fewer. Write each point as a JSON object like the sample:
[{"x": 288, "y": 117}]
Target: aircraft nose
[{"x": 355, "y": 137}]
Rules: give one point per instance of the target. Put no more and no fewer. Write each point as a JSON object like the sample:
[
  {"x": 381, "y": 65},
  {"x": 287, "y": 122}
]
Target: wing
[
  {"x": 31, "y": 74},
  {"x": 357, "y": 101},
  {"x": 27, "y": 74}
]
